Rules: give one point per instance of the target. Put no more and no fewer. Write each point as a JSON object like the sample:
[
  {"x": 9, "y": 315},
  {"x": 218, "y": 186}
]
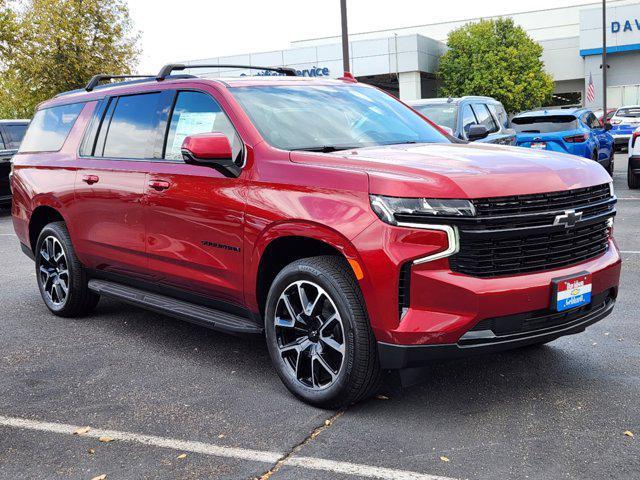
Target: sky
[{"x": 194, "y": 29}]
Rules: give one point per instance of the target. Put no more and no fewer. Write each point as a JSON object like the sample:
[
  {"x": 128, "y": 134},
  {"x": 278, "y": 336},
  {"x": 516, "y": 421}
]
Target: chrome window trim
[{"x": 452, "y": 240}]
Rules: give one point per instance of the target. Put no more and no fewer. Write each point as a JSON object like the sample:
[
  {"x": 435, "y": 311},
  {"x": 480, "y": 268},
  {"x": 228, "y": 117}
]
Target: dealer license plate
[
  {"x": 571, "y": 292},
  {"x": 539, "y": 145}
]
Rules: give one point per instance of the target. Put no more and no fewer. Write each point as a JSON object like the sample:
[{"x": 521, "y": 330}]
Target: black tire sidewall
[
  {"x": 300, "y": 271},
  {"x": 58, "y": 231}
]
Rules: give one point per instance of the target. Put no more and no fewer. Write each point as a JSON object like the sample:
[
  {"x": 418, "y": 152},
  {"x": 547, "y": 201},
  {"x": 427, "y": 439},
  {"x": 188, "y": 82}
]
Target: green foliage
[
  {"x": 50, "y": 46},
  {"x": 498, "y": 59}
]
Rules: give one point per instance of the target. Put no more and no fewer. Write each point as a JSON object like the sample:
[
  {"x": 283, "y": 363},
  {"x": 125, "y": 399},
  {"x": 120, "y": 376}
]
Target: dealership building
[{"x": 404, "y": 60}]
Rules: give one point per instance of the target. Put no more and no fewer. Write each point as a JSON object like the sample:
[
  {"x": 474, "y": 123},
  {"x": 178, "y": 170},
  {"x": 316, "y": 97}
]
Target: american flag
[{"x": 591, "y": 90}]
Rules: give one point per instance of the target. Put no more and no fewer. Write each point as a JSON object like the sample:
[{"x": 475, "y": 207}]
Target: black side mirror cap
[
  {"x": 607, "y": 126},
  {"x": 477, "y": 132}
]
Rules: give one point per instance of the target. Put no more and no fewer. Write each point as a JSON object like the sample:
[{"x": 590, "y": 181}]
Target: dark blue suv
[{"x": 476, "y": 119}]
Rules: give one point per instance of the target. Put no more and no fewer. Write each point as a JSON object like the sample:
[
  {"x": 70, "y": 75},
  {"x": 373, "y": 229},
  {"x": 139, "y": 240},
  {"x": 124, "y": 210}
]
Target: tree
[
  {"x": 495, "y": 58},
  {"x": 50, "y": 46}
]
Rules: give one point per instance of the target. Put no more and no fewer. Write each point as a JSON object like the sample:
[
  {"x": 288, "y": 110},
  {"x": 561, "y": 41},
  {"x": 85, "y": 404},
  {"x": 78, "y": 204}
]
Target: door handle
[
  {"x": 159, "y": 185},
  {"x": 90, "y": 179}
]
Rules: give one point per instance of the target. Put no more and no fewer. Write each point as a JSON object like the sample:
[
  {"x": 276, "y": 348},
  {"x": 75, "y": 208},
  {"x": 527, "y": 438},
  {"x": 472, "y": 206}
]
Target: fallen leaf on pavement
[
  {"x": 82, "y": 430},
  {"x": 221, "y": 435},
  {"x": 629, "y": 433},
  {"x": 444, "y": 459},
  {"x": 100, "y": 477},
  {"x": 91, "y": 451},
  {"x": 181, "y": 456},
  {"x": 327, "y": 422},
  {"x": 105, "y": 439},
  {"x": 382, "y": 397}
]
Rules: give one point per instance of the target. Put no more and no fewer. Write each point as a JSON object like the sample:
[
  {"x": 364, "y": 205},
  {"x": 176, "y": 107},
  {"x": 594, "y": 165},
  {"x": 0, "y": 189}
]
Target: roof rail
[
  {"x": 96, "y": 79},
  {"x": 167, "y": 69}
]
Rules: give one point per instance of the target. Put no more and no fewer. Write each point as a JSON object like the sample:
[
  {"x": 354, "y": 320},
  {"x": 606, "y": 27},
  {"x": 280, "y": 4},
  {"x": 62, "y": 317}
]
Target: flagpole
[{"x": 604, "y": 59}]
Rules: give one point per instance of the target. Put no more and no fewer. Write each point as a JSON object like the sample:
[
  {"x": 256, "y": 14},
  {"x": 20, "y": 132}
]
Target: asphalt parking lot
[{"x": 159, "y": 389}]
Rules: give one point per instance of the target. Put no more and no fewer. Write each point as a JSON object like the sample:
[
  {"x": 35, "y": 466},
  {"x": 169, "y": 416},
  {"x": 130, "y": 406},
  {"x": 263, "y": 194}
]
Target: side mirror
[
  {"x": 477, "y": 132},
  {"x": 607, "y": 126},
  {"x": 211, "y": 150}
]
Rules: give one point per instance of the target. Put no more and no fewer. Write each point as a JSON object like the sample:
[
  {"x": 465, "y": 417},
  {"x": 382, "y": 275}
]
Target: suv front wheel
[
  {"x": 318, "y": 333},
  {"x": 61, "y": 277}
]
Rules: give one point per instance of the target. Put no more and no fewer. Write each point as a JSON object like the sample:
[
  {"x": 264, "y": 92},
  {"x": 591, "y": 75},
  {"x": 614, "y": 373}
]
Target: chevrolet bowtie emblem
[{"x": 569, "y": 218}]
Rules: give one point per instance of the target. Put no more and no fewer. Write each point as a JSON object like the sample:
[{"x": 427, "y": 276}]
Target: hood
[{"x": 462, "y": 170}]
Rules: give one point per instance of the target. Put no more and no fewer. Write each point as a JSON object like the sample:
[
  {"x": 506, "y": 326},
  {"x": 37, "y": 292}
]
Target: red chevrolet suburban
[{"x": 325, "y": 214}]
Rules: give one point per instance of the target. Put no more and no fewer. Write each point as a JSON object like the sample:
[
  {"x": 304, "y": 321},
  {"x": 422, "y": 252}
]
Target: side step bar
[{"x": 205, "y": 316}]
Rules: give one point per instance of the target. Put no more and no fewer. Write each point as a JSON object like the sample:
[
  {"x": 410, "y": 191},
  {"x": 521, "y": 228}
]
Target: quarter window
[
  {"x": 484, "y": 117},
  {"x": 197, "y": 112},
  {"x": 131, "y": 133},
  {"x": 49, "y": 128}
]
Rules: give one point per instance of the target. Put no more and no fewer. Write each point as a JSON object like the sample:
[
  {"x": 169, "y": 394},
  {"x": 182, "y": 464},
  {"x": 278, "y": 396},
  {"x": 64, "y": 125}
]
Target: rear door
[
  {"x": 196, "y": 214},
  {"x": 602, "y": 138},
  {"x": 109, "y": 188}
]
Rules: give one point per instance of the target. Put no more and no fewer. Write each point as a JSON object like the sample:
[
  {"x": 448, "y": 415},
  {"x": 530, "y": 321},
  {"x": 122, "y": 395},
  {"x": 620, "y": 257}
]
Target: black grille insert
[{"x": 542, "y": 202}]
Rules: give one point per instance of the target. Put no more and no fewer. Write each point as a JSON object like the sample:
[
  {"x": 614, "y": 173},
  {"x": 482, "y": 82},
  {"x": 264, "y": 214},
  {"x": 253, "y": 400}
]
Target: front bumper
[{"x": 486, "y": 341}]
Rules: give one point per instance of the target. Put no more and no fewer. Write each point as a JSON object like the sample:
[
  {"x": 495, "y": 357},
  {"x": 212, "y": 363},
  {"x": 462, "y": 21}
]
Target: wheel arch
[
  {"x": 41, "y": 216},
  {"x": 285, "y": 243}
]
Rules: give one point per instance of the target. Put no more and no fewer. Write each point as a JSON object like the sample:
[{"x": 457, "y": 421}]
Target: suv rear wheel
[
  {"x": 633, "y": 180},
  {"x": 318, "y": 333},
  {"x": 61, "y": 277}
]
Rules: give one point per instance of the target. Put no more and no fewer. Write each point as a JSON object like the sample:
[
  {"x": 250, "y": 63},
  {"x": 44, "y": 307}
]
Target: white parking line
[
  {"x": 628, "y": 198},
  {"x": 7, "y": 234},
  {"x": 634, "y": 252},
  {"x": 310, "y": 463}
]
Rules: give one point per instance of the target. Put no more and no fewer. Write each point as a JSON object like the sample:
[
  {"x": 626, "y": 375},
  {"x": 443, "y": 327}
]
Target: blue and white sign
[{"x": 623, "y": 30}]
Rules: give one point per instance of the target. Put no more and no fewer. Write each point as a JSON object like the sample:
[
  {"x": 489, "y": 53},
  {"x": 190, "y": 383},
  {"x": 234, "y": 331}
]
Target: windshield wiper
[{"x": 325, "y": 148}]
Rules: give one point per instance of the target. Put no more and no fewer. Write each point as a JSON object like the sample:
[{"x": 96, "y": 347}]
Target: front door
[
  {"x": 195, "y": 214},
  {"x": 109, "y": 188}
]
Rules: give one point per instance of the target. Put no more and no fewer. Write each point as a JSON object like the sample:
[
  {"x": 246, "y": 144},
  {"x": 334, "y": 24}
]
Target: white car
[
  {"x": 633, "y": 170},
  {"x": 623, "y": 123}
]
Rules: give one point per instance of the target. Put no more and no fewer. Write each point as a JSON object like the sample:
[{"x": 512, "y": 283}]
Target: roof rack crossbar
[
  {"x": 96, "y": 79},
  {"x": 167, "y": 69}
]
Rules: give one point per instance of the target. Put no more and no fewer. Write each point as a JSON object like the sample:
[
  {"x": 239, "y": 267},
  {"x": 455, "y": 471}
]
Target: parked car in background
[
  {"x": 599, "y": 113},
  {"x": 624, "y": 122},
  {"x": 476, "y": 119},
  {"x": 11, "y": 133},
  {"x": 633, "y": 169},
  {"x": 574, "y": 131},
  {"x": 323, "y": 214}
]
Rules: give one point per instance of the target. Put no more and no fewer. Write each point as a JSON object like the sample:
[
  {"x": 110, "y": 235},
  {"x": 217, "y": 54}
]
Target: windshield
[
  {"x": 545, "y": 124},
  {"x": 327, "y": 118},
  {"x": 444, "y": 115},
  {"x": 632, "y": 112}
]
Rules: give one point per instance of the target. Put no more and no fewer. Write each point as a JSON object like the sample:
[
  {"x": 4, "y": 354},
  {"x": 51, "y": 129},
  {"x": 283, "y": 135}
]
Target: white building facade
[{"x": 404, "y": 61}]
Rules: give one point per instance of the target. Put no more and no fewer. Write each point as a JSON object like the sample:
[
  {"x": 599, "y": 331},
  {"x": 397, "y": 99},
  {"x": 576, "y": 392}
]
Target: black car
[{"x": 11, "y": 133}]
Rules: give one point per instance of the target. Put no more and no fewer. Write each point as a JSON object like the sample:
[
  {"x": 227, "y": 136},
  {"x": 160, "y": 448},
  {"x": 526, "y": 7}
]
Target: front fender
[{"x": 295, "y": 228}]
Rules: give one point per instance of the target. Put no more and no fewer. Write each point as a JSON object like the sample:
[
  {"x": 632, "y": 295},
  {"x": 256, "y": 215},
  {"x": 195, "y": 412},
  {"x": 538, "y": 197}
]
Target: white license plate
[{"x": 539, "y": 145}]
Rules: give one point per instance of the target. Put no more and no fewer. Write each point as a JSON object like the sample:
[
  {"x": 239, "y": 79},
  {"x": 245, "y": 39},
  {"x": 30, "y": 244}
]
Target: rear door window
[
  {"x": 2, "y": 147},
  {"x": 197, "y": 112},
  {"x": 131, "y": 130},
  {"x": 16, "y": 134},
  {"x": 50, "y": 127},
  {"x": 545, "y": 124},
  {"x": 500, "y": 113},
  {"x": 484, "y": 117}
]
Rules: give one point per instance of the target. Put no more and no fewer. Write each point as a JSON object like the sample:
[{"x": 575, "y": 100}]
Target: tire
[
  {"x": 339, "y": 321},
  {"x": 633, "y": 180},
  {"x": 57, "y": 267},
  {"x": 611, "y": 166}
]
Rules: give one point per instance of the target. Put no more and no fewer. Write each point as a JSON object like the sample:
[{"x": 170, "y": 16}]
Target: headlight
[
  {"x": 388, "y": 207},
  {"x": 611, "y": 189}
]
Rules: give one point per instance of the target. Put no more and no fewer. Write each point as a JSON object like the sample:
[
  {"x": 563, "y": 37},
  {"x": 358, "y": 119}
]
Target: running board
[{"x": 205, "y": 316}]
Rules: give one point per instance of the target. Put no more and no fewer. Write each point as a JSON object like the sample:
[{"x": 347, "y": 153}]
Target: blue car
[{"x": 574, "y": 131}]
